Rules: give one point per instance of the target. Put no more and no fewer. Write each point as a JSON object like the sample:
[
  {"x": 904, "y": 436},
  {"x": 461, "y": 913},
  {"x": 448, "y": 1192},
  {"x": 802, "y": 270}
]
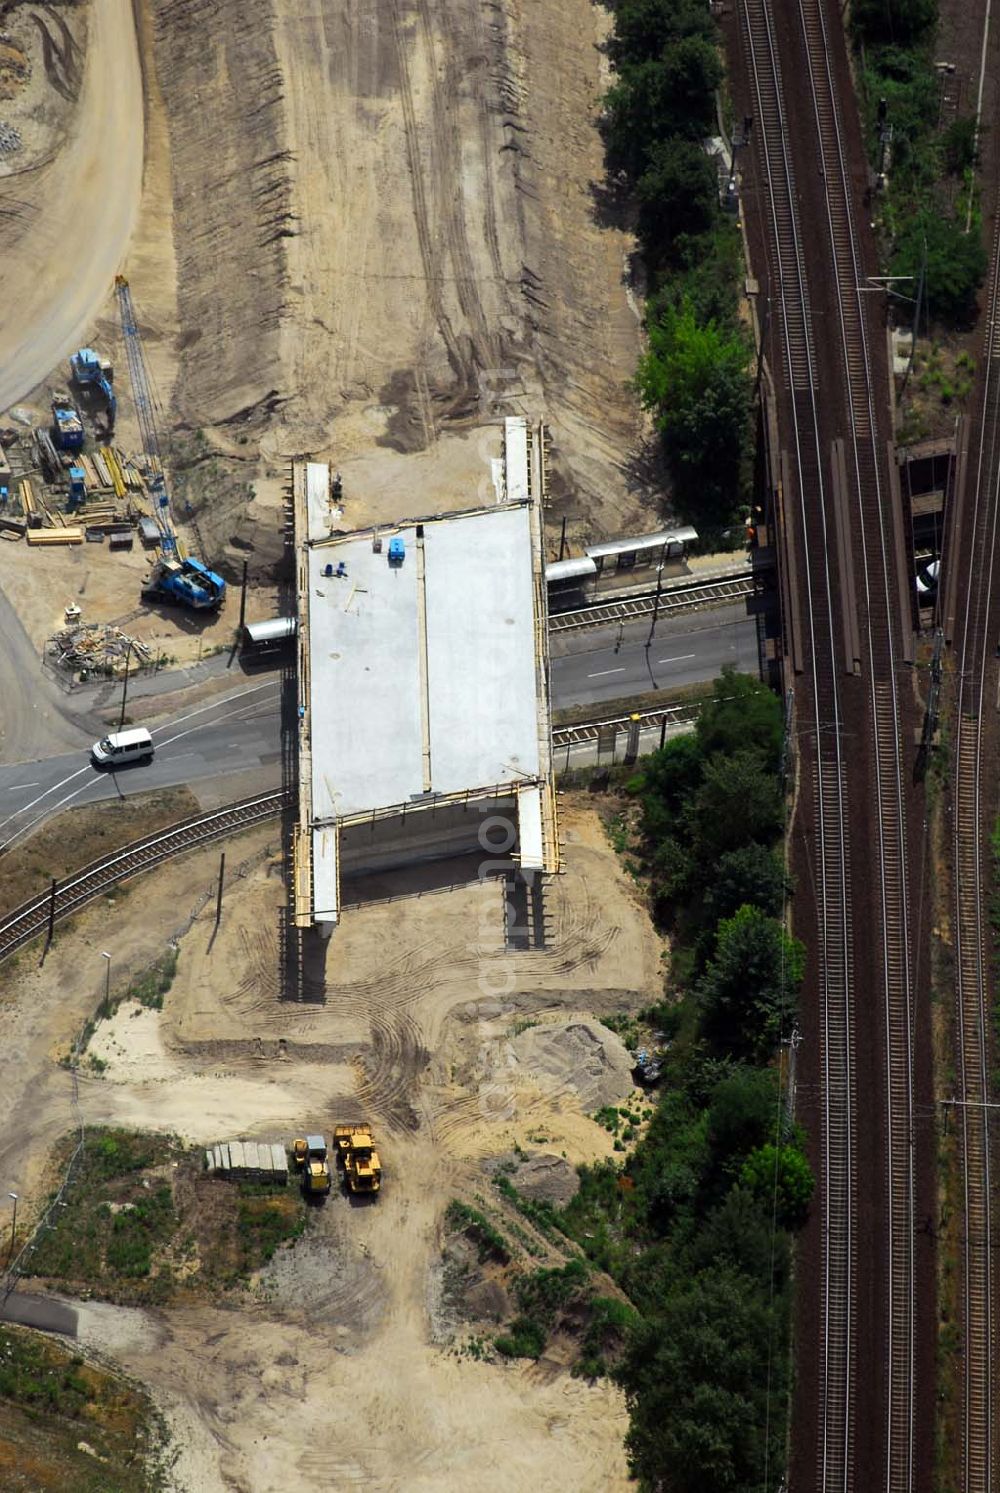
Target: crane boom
[{"x": 142, "y": 394}]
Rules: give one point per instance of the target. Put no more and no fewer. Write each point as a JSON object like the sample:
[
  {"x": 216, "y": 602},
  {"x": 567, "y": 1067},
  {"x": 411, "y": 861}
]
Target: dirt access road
[
  {"x": 402, "y": 1023},
  {"x": 65, "y": 224}
]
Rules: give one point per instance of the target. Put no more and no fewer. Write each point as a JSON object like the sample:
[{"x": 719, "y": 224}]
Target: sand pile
[{"x": 578, "y": 1057}]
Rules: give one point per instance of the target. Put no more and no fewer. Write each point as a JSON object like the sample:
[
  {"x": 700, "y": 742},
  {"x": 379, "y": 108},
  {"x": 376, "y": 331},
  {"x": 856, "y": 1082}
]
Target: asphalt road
[
  {"x": 240, "y": 732},
  {"x": 229, "y": 735},
  {"x": 609, "y": 663},
  {"x": 38, "y": 1311}
]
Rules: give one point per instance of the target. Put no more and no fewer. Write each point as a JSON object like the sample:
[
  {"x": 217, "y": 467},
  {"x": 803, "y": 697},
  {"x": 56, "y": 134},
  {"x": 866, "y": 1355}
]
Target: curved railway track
[
  {"x": 866, "y": 560},
  {"x": 32, "y": 917},
  {"x": 977, "y": 563}
]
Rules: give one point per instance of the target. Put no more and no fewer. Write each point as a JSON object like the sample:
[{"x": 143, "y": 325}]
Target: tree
[
  {"x": 705, "y": 275},
  {"x": 695, "y": 381},
  {"x": 900, "y": 21},
  {"x": 740, "y": 1233},
  {"x": 696, "y": 1384},
  {"x": 781, "y": 1174},
  {"x": 678, "y": 195},
  {"x": 751, "y": 876},
  {"x": 749, "y": 991},
  {"x": 738, "y": 801},
  {"x": 659, "y": 98},
  {"x": 668, "y": 780},
  {"x": 643, "y": 28},
  {"x": 741, "y": 1115},
  {"x": 742, "y": 715},
  {"x": 956, "y": 264}
]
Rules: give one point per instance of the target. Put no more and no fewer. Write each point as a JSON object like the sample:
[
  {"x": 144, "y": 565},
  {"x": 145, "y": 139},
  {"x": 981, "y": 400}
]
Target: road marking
[
  {"x": 253, "y": 689},
  {"x": 601, "y": 672},
  {"x": 20, "y": 787},
  {"x": 679, "y": 658}
]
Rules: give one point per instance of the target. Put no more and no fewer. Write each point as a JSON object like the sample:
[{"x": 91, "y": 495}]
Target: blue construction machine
[
  {"x": 187, "y": 582},
  {"x": 93, "y": 374},
  {"x": 175, "y": 578},
  {"x": 67, "y": 427}
]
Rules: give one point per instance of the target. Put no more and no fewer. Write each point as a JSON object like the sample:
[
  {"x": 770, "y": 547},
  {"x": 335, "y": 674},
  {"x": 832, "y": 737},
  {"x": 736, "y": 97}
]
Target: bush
[
  {"x": 780, "y": 1175},
  {"x": 695, "y": 381},
  {"x": 749, "y": 991},
  {"x": 956, "y": 264},
  {"x": 899, "y": 21}
]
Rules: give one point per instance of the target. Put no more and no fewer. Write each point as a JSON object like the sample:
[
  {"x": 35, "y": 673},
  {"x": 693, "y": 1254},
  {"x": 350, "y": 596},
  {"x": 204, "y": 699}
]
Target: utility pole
[
  {"x": 13, "y": 1228},
  {"x": 243, "y": 595},
  {"x": 656, "y": 601},
  {"x": 562, "y": 538},
  {"x": 128, "y": 657},
  {"x": 52, "y": 913},
  {"x": 218, "y": 900},
  {"x": 107, "y": 977}
]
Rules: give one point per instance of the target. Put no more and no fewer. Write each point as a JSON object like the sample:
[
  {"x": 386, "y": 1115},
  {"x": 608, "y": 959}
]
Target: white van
[{"x": 122, "y": 748}]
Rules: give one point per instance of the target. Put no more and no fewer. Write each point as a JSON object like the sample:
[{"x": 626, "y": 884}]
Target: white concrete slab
[
  {"x": 370, "y": 635},
  {"x": 324, "y": 515},
  {"x": 531, "y": 847},
  {"x": 326, "y": 874},
  {"x": 516, "y": 458},
  {"x": 481, "y": 651}
]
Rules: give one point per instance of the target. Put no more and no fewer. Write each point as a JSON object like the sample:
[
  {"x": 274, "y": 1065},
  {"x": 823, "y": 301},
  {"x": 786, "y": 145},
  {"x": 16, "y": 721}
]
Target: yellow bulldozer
[
  {"x": 310, "y": 1158},
  {"x": 356, "y": 1152}
]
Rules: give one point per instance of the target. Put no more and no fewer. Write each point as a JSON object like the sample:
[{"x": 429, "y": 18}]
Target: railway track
[
  {"x": 32, "y": 917},
  {"x": 563, "y": 736},
  {"x": 676, "y": 599},
  {"x": 866, "y": 574},
  {"x": 975, "y": 560},
  {"x": 822, "y": 734}
]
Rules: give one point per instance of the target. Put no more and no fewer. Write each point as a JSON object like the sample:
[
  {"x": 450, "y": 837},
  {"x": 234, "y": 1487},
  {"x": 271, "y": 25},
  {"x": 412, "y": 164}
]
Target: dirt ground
[
  {"x": 414, "y": 1016},
  {"x": 389, "y": 235}
]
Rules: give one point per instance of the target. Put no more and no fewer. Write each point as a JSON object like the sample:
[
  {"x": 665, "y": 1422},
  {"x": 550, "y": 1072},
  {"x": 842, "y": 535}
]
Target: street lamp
[
  {"x": 13, "y": 1227},
  {"x": 107, "y": 977}
]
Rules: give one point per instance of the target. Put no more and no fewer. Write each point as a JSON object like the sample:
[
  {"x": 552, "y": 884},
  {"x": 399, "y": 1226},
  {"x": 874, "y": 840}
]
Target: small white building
[{"x": 424, "y": 726}]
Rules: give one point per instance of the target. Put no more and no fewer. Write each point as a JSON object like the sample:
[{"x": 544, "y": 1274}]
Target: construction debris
[{"x": 94, "y": 647}]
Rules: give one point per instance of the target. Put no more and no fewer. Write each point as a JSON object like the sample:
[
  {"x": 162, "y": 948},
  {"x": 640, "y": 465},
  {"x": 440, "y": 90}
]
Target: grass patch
[
  {"x": 72, "y": 840},
  {"x": 490, "y": 1243},
  {"x": 51, "y": 1400},
  {"x": 143, "y": 1223}
]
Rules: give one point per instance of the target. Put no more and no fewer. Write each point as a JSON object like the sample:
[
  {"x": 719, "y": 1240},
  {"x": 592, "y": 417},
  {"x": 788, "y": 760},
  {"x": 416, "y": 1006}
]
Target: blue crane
[
  {"x": 187, "y": 581},
  {"x": 143, "y": 396}
]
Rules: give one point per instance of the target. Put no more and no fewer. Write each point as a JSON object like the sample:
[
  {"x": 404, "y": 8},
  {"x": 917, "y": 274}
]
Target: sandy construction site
[
  {"x": 359, "y": 233},
  {"x": 368, "y": 233},
  {"x": 456, "y": 1047}
]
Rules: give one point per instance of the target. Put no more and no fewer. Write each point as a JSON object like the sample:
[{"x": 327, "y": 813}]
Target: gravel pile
[
  {"x": 10, "y": 139},
  {"x": 581, "y": 1057}
]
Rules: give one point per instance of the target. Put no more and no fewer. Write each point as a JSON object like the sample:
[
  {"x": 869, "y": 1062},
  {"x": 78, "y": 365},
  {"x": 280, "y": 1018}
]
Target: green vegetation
[
  {"x": 543, "y": 1296},
  {"x": 694, "y": 375},
  {"x": 695, "y": 1225},
  {"x": 141, "y": 1221},
  {"x": 65, "y": 1423},
  {"x": 489, "y": 1241},
  {"x": 930, "y": 188},
  {"x": 148, "y": 989}
]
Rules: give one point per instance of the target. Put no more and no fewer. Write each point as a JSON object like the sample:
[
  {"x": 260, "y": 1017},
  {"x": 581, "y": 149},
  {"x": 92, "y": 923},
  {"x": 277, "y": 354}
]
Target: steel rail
[
  {"x": 835, "y": 955},
  {"x": 890, "y": 821},
  {"x": 978, "y": 1296},
  {"x": 32, "y": 917},
  {"x": 677, "y": 598}
]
